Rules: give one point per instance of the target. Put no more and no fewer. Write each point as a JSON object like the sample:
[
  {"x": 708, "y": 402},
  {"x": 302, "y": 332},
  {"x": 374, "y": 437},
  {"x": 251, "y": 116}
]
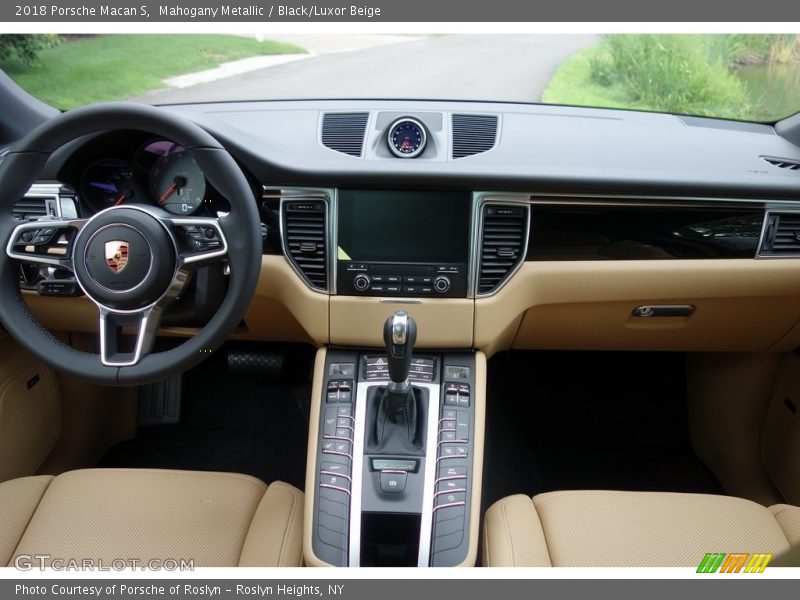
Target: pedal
[
  {"x": 261, "y": 365},
  {"x": 160, "y": 402}
]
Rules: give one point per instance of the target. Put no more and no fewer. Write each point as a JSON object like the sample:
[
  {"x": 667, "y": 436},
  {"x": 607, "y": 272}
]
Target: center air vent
[
  {"x": 503, "y": 243},
  {"x": 783, "y": 163},
  {"x": 344, "y": 132},
  {"x": 781, "y": 235},
  {"x": 304, "y": 239},
  {"x": 473, "y": 134}
]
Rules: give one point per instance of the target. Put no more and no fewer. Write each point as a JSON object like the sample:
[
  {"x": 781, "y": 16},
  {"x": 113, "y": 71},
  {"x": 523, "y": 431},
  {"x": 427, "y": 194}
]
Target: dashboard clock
[{"x": 407, "y": 138}]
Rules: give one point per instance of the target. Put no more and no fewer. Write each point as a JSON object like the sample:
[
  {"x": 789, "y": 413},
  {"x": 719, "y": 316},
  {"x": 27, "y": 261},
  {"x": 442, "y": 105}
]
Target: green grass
[
  {"x": 115, "y": 67},
  {"x": 688, "y": 74},
  {"x": 573, "y": 84}
]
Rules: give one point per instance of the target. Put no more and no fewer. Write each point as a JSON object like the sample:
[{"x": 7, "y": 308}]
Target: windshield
[{"x": 748, "y": 77}]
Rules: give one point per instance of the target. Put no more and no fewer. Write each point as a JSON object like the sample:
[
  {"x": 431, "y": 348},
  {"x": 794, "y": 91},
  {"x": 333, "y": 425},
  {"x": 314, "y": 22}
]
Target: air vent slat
[
  {"x": 782, "y": 236},
  {"x": 783, "y": 163},
  {"x": 344, "y": 132},
  {"x": 304, "y": 226},
  {"x": 473, "y": 134},
  {"x": 29, "y": 208},
  {"x": 503, "y": 233}
]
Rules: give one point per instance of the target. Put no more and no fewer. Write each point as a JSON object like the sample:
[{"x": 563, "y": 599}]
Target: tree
[{"x": 25, "y": 47}]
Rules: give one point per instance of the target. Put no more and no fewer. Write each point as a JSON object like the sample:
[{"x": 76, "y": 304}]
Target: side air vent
[
  {"x": 473, "y": 134},
  {"x": 344, "y": 132},
  {"x": 32, "y": 207},
  {"x": 503, "y": 244},
  {"x": 304, "y": 223},
  {"x": 783, "y": 163},
  {"x": 781, "y": 235}
]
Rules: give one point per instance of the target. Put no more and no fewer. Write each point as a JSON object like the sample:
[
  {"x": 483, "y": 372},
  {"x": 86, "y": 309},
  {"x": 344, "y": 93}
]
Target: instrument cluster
[{"x": 159, "y": 172}]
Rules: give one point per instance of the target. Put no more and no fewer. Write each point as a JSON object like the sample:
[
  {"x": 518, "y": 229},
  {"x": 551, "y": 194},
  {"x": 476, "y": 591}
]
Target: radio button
[
  {"x": 361, "y": 282},
  {"x": 441, "y": 284}
]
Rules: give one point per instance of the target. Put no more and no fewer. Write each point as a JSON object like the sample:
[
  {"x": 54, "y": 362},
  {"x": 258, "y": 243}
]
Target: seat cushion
[
  {"x": 630, "y": 529},
  {"x": 214, "y": 519}
]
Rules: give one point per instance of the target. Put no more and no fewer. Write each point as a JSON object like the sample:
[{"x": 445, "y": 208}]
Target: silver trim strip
[
  {"x": 429, "y": 484},
  {"x": 328, "y": 197},
  {"x": 480, "y": 200}
]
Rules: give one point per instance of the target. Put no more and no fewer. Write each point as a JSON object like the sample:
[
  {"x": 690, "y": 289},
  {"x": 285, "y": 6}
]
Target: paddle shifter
[
  {"x": 395, "y": 410},
  {"x": 399, "y": 335}
]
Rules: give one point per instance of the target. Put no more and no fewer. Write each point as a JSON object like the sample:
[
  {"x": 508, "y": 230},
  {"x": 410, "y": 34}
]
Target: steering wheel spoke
[
  {"x": 45, "y": 242},
  {"x": 201, "y": 240},
  {"x": 144, "y": 324}
]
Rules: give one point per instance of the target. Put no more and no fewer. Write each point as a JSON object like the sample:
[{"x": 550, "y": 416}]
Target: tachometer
[
  {"x": 176, "y": 182},
  {"x": 108, "y": 182},
  {"x": 407, "y": 138}
]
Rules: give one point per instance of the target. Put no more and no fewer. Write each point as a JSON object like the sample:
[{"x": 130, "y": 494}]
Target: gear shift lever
[
  {"x": 396, "y": 429},
  {"x": 399, "y": 334}
]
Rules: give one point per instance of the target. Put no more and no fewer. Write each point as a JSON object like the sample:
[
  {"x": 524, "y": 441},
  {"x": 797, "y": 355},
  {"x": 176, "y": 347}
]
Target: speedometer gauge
[{"x": 407, "y": 138}]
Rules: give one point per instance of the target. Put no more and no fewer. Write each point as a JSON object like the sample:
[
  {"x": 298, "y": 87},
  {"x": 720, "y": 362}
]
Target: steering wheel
[{"x": 131, "y": 261}]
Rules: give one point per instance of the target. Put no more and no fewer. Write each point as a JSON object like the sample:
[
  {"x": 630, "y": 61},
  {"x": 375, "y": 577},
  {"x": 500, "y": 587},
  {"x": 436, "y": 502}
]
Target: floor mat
[
  {"x": 589, "y": 420},
  {"x": 230, "y": 423}
]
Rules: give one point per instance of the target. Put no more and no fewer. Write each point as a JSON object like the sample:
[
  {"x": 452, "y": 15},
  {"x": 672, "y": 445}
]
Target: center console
[{"x": 395, "y": 454}]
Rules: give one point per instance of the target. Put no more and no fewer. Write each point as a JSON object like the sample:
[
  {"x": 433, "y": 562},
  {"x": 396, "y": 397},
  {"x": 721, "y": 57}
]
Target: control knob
[
  {"x": 361, "y": 282},
  {"x": 441, "y": 284}
]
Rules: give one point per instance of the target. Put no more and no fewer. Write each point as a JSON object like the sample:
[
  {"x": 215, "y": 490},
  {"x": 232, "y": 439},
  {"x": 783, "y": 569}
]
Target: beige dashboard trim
[
  {"x": 309, "y": 558},
  {"x": 441, "y": 323},
  {"x": 477, "y": 460},
  {"x": 741, "y": 305}
]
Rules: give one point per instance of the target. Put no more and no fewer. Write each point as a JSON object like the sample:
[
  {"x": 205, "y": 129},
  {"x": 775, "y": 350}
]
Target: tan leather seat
[
  {"x": 214, "y": 519},
  {"x": 631, "y": 529}
]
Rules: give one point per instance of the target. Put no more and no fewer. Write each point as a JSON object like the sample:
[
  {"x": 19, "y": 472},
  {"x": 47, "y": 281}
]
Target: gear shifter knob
[{"x": 399, "y": 334}]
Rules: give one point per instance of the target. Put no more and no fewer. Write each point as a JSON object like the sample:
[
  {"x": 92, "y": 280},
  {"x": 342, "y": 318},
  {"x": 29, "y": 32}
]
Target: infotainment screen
[{"x": 407, "y": 226}]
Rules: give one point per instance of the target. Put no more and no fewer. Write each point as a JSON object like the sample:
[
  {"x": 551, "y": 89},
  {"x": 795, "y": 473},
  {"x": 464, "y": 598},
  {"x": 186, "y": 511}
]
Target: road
[{"x": 457, "y": 67}]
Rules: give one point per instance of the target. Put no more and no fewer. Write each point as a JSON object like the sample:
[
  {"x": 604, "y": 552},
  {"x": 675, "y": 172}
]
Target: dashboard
[{"x": 496, "y": 225}]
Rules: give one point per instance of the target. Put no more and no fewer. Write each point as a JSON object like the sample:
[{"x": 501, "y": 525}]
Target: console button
[
  {"x": 329, "y": 422},
  {"x": 393, "y": 278},
  {"x": 344, "y": 432},
  {"x": 334, "y": 468},
  {"x": 449, "y": 414},
  {"x": 337, "y": 500},
  {"x": 447, "y": 526},
  {"x": 393, "y": 482},
  {"x": 462, "y": 425},
  {"x": 451, "y": 400},
  {"x": 441, "y": 284},
  {"x": 449, "y": 513},
  {"x": 393, "y": 289},
  {"x": 336, "y": 482},
  {"x": 448, "y": 471},
  {"x": 344, "y": 411},
  {"x": 452, "y": 485},
  {"x": 454, "y": 498},
  {"x": 376, "y": 288},
  {"x": 361, "y": 282},
  {"x": 448, "y": 542},
  {"x": 342, "y": 447},
  {"x": 447, "y": 436}
]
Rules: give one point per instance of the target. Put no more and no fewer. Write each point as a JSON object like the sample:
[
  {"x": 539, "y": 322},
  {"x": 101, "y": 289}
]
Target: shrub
[
  {"x": 673, "y": 73},
  {"x": 25, "y": 47}
]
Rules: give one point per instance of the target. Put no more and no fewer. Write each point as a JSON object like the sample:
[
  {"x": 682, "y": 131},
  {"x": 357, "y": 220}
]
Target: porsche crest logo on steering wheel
[{"x": 117, "y": 255}]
